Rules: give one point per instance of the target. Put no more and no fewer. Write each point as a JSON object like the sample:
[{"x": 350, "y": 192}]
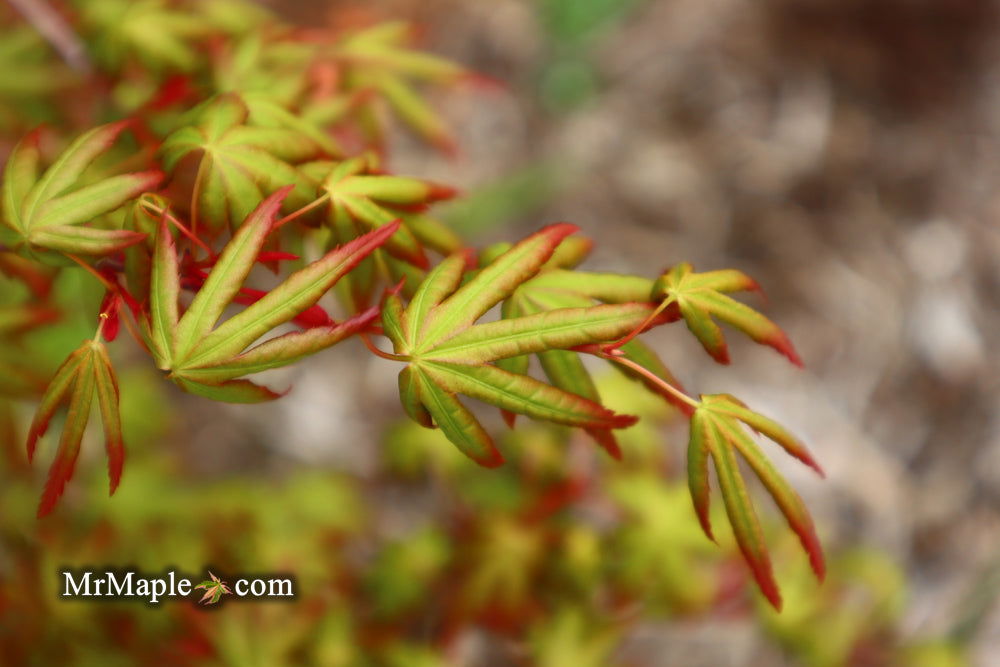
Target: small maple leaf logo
[{"x": 215, "y": 588}]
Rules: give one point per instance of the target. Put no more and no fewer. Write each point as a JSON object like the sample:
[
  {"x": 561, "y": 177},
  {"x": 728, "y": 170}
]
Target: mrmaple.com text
[{"x": 131, "y": 585}]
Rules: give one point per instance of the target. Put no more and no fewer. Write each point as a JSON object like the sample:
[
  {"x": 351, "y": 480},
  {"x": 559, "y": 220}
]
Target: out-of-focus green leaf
[
  {"x": 162, "y": 36},
  {"x": 565, "y": 640},
  {"x": 378, "y": 59},
  {"x": 401, "y": 576}
]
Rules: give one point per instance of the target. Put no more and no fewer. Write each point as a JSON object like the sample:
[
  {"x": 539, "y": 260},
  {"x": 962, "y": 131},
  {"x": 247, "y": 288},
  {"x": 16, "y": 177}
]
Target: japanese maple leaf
[
  {"x": 700, "y": 296},
  {"x": 236, "y": 164},
  {"x": 86, "y": 374},
  {"x": 215, "y": 588},
  {"x": 208, "y": 360},
  {"x": 448, "y": 354},
  {"x": 161, "y": 36},
  {"x": 557, "y": 286},
  {"x": 50, "y": 212},
  {"x": 379, "y": 59},
  {"x": 359, "y": 198},
  {"x": 718, "y": 433}
]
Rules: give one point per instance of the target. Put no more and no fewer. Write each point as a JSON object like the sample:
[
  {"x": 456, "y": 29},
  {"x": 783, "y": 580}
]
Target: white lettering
[
  {"x": 159, "y": 588},
  {"x": 283, "y": 587},
  {"x": 84, "y": 584},
  {"x": 124, "y": 588}
]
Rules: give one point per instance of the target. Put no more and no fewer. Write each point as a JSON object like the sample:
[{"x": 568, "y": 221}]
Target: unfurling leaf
[
  {"x": 699, "y": 296},
  {"x": 47, "y": 213},
  {"x": 207, "y": 359},
  {"x": 85, "y": 374},
  {"x": 717, "y": 433},
  {"x": 449, "y": 354}
]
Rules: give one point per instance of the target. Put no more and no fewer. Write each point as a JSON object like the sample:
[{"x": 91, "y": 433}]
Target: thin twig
[
  {"x": 302, "y": 211},
  {"x": 652, "y": 377},
  {"x": 377, "y": 352}
]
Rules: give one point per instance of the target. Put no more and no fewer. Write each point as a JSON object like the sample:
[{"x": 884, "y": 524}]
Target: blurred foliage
[
  {"x": 570, "y": 77},
  {"x": 557, "y": 571}
]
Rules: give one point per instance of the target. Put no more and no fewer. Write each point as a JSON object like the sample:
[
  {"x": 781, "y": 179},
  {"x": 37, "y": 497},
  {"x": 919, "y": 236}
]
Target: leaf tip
[
  {"x": 560, "y": 230},
  {"x": 608, "y": 442},
  {"x": 764, "y": 576},
  {"x": 439, "y": 192},
  {"x": 720, "y": 353},
  {"x": 116, "y": 463}
]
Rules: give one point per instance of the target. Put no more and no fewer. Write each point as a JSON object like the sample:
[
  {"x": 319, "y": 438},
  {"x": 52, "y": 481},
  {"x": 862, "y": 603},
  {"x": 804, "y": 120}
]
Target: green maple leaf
[
  {"x": 359, "y": 199},
  {"x": 448, "y": 354},
  {"x": 87, "y": 373},
  {"x": 236, "y": 164},
  {"x": 206, "y": 359},
  {"x": 266, "y": 111},
  {"x": 557, "y": 287},
  {"x": 28, "y": 68},
  {"x": 379, "y": 59},
  {"x": 717, "y": 432},
  {"x": 700, "y": 296},
  {"x": 236, "y": 17},
  {"x": 46, "y": 213},
  {"x": 267, "y": 65},
  {"x": 160, "y": 35},
  {"x": 568, "y": 638},
  {"x": 503, "y": 564},
  {"x": 215, "y": 588}
]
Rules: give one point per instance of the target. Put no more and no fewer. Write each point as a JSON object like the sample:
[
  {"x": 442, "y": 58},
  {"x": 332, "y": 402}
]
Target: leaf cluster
[{"x": 249, "y": 138}]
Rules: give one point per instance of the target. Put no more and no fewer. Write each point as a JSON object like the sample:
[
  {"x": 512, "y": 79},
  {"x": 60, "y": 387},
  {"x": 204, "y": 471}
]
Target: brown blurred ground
[{"x": 844, "y": 153}]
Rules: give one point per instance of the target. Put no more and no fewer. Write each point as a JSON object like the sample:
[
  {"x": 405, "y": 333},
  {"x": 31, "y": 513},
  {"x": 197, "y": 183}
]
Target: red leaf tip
[
  {"x": 764, "y": 577},
  {"x": 784, "y": 345},
  {"x": 438, "y": 192},
  {"x": 495, "y": 459}
]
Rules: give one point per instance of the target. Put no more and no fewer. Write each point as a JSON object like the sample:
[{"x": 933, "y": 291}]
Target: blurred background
[{"x": 842, "y": 152}]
